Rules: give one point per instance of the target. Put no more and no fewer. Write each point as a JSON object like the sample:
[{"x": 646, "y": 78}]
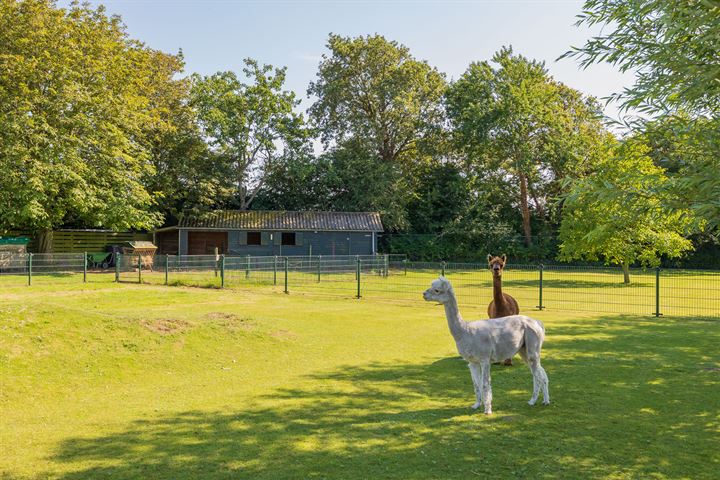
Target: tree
[
  {"x": 674, "y": 49},
  {"x": 249, "y": 127},
  {"x": 76, "y": 102},
  {"x": 298, "y": 182},
  {"x": 515, "y": 119},
  {"x": 357, "y": 181},
  {"x": 442, "y": 194},
  {"x": 603, "y": 218},
  {"x": 373, "y": 92},
  {"x": 186, "y": 177}
]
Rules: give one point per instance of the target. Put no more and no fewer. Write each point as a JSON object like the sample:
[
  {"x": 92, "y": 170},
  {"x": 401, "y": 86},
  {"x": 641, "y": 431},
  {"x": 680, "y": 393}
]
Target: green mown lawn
[{"x": 109, "y": 380}]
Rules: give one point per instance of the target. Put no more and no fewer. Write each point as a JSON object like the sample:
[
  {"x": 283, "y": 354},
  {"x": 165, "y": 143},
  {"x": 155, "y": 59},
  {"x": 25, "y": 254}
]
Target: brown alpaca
[{"x": 503, "y": 304}]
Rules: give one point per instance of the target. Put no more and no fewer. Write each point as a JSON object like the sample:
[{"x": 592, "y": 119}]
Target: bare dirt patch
[
  {"x": 166, "y": 326},
  {"x": 231, "y": 321}
]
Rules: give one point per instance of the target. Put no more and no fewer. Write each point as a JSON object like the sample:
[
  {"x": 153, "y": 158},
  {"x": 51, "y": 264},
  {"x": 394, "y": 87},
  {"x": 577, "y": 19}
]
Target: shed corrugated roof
[{"x": 284, "y": 220}]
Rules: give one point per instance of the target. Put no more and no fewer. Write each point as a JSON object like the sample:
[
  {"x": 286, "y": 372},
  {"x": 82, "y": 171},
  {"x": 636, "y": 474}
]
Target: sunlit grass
[{"x": 108, "y": 380}]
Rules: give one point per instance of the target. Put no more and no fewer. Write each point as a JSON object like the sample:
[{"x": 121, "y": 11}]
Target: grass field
[{"x": 108, "y": 380}]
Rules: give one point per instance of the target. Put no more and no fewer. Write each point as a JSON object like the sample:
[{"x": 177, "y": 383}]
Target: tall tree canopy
[
  {"x": 615, "y": 225},
  {"x": 674, "y": 49},
  {"x": 77, "y": 100},
  {"x": 249, "y": 126},
  {"x": 375, "y": 92},
  {"x": 379, "y": 112},
  {"x": 510, "y": 116}
]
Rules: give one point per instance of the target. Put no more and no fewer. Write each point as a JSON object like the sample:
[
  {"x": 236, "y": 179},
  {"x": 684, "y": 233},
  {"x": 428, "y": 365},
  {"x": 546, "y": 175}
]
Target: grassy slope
[{"x": 127, "y": 381}]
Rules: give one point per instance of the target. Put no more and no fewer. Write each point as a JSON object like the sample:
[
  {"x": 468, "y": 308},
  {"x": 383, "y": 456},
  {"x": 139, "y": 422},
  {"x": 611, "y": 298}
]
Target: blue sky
[{"x": 218, "y": 34}]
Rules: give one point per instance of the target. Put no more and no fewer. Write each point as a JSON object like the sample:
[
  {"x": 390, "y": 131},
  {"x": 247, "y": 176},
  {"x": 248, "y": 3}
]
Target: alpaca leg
[
  {"x": 545, "y": 384},
  {"x": 486, "y": 387},
  {"x": 476, "y": 374},
  {"x": 540, "y": 381}
]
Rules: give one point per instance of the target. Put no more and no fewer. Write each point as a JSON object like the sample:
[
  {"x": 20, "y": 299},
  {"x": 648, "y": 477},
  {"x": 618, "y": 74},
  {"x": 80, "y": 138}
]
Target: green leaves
[
  {"x": 77, "y": 98},
  {"x": 618, "y": 213},
  {"x": 674, "y": 49},
  {"x": 248, "y": 126},
  {"x": 373, "y": 91},
  {"x": 511, "y": 117}
]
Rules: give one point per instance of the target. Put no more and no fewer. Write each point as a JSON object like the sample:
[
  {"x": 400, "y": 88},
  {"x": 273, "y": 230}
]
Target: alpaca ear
[
  {"x": 504, "y": 258},
  {"x": 489, "y": 257}
]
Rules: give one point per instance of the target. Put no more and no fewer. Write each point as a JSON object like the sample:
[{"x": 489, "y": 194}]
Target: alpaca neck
[
  {"x": 457, "y": 325},
  {"x": 497, "y": 290}
]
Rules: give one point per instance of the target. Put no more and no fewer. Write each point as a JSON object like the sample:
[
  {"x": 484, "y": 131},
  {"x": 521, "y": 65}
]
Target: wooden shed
[{"x": 264, "y": 232}]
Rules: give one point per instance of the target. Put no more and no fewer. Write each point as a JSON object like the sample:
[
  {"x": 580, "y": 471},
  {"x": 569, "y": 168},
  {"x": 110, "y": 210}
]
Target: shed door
[{"x": 204, "y": 243}]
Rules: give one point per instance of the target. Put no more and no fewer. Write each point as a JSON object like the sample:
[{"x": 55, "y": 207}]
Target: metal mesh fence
[{"x": 393, "y": 278}]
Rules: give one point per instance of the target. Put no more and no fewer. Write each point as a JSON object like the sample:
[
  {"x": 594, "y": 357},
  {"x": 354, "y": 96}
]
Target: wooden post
[
  {"x": 84, "y": 267},
  {"x": 167, "y": 267},
  {"x": 139, "y": 268}
]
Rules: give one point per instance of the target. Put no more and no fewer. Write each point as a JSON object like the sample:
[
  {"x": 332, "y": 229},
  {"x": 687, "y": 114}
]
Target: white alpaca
[{"x": 485, "y": 341}]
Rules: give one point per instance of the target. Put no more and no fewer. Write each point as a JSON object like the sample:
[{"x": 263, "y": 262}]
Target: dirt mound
[{"x": 166, "y": 326}]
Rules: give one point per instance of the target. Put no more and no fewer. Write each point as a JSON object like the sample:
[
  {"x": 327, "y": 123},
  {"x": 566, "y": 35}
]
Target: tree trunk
[
  {"x": 525, "y": 209},
  {"x": 538, "y": 204},
  {"x": 44, "y": 240},
  {"x": 626, "y": 273}
]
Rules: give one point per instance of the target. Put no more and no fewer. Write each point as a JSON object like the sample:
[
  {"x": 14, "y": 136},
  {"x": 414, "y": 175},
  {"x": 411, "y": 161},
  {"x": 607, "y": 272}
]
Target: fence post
[
  {"x": 167, "y": 267},
  {"x": 540, "y": 304},
  {"x": 118, "y": 257},
  {"x": 30, "y": 255},
  {"x": 222, "y": 271},
  {"x": 386, "y": 265},
  {"x": 139, "y": 268},
  {"x": 318, "y": 269},
  {"x": 84, "y": 267},
  {"x": 657, "y": 292},
  {"x": 443, "y": 269},
  {"x": 358, "y": 270},
  {"x": 275, "y": 270},
  {"x": 247, "y": 267},
  {"x": 405, "y": 265},
  {"x": 286, "y": 275}
]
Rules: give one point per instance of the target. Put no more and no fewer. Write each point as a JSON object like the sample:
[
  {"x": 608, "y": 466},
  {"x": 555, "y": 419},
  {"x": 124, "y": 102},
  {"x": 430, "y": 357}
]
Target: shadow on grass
[{"x": 630, "y": 399}]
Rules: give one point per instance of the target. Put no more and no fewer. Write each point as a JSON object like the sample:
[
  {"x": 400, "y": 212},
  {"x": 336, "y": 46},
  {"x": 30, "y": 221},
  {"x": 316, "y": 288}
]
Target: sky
[{"x": 216, "y": 35}]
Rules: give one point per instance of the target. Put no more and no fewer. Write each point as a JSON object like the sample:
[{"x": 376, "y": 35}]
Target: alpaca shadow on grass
[{"x": 412, "y": 421}]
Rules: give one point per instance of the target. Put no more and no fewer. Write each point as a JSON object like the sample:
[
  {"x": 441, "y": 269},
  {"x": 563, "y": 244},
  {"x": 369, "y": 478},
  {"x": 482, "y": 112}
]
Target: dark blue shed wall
[{"x": 311, "y": 243}]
